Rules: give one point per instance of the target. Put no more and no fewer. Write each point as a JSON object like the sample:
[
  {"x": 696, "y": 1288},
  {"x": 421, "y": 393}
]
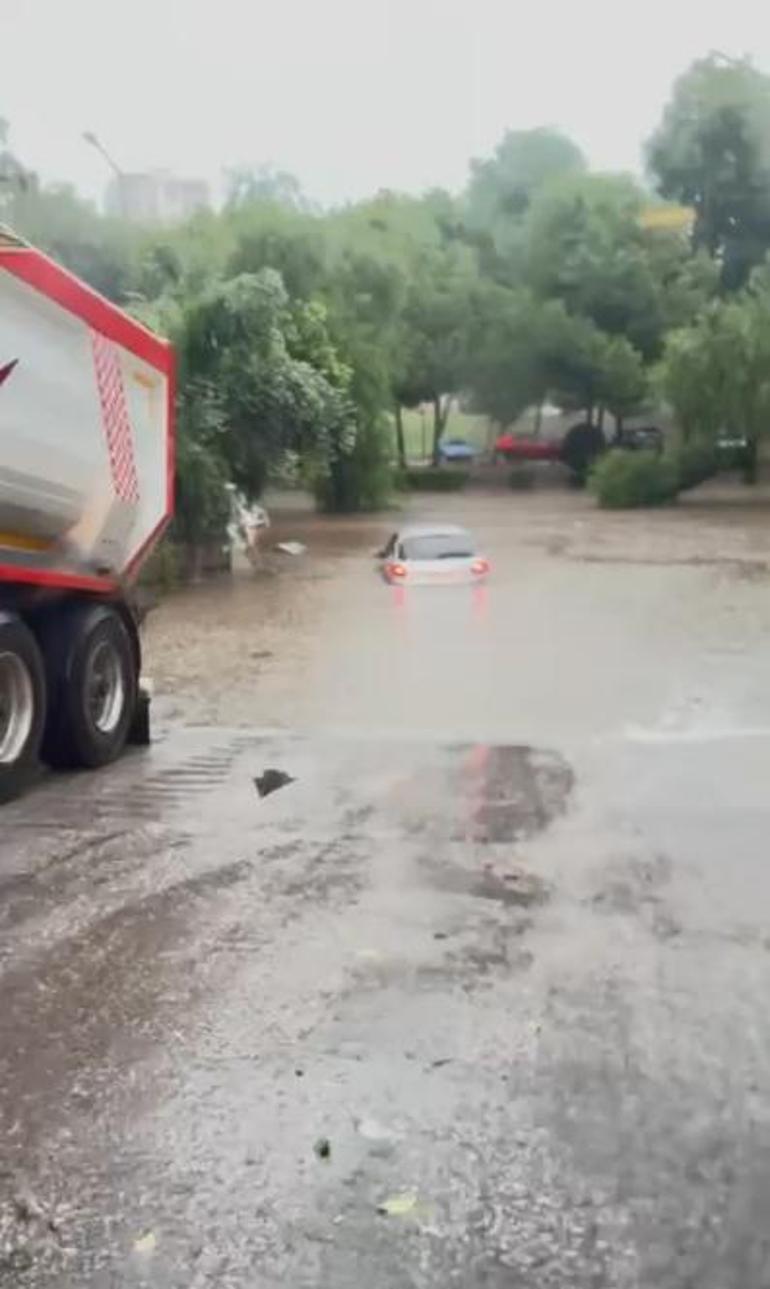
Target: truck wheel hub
[
  {"x": 17, "y": 707},
  {"x": 105, "y": 688}
]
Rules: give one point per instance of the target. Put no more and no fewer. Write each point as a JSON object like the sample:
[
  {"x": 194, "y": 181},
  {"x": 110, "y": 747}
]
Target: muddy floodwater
[
  {"x": 591, "y": 623},
  {"x": 428, "y": 943}
]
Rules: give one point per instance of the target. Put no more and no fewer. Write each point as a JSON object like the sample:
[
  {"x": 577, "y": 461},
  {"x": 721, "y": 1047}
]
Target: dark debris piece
[{"x": 271, "y": 780}]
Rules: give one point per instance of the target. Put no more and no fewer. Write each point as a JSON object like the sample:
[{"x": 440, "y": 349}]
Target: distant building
[{"x": 156, "y": 197}]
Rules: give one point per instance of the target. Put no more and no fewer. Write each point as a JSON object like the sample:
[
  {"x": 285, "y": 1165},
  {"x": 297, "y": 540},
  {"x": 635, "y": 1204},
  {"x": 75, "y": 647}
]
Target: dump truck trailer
[{"x": 86, "y": 490}]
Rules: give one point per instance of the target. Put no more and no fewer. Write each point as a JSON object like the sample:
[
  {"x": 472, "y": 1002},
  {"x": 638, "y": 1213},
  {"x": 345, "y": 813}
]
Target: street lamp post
[{"x": 95, "y": 142}]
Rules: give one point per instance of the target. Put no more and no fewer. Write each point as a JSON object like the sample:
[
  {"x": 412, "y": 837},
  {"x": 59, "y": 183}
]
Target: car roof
[{"x": 432, "y": 530}]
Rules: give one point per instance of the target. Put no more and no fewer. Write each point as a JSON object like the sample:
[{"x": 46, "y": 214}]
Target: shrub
[
  {"x": 621, "y": 480},
  {"x": 521, "y": 478},
  {"x": 432, "y": 479},
  {"x": 694, "y": 462}
]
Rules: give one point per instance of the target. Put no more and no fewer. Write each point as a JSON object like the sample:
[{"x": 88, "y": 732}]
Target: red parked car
[{"x": 527, "y": 449}]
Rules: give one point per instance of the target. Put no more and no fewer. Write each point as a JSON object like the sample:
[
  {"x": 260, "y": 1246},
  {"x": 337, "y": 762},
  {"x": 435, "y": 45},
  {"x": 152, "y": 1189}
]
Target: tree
[
  {"x": 716, "y": 372},
  {"x": 508, "y": 356},
  {"x": 624, "y": 383},
  {"x": 105, "y": 252},
  {"x": 712, "y": 152},
  {"x": 266, "y": 184},
  {"x": 401, "y": 281},
  {"x": 435, "y": 331},
  {"x": 585, "y": 246},
  {"x": 692, "y": 376},
  {"x": 265, "y": 234},
  {"x": 575, "y": 357},
  {"x": 501, "y": 190},
  {"x": 13, "y": 176},
  {"x": 237, "y": 339}
]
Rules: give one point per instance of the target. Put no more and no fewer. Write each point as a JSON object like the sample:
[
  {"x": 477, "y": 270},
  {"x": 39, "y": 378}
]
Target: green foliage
[
  {"x": 265, "y": 184},
  {"x": 266, "y": 234},
  {"x": 502, "y": 188},
  {"x": 586, "y": 246},
  {"x": 626, "y": 480},
  {"x": 163, "y": 570},
  {"x": 624, "y": 383},
  {"x": 712, "y": 152},
  {"x": 202, "y": 497},
  {"x": 362, "y": 479},
  {"x": 238, "y": 339},
  {"x": 694, "y": 461},
  {"x": 509, "y": 351},
  {"x": 716, "y": 373},
  {"x": 433, "y": 479}
]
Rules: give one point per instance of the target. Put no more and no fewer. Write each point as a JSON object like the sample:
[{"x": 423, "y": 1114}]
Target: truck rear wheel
[
  {"x": 92, "y": 684},
  {"x": 22, "y": 706}
]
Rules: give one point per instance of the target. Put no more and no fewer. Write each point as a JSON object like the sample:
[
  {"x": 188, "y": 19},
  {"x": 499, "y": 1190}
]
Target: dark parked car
[{"x": 644, "y": 438}]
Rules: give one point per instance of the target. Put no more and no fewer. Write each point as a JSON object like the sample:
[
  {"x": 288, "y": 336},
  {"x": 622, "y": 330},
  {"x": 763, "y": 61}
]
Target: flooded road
[
  {"x": 591, "y": 624},
  {"x": 475, "y": 995}
]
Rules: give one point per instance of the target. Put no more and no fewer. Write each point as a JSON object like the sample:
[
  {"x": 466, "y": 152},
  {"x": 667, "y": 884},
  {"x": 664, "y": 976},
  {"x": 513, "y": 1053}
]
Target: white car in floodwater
[{"x": 432, "y": 553}]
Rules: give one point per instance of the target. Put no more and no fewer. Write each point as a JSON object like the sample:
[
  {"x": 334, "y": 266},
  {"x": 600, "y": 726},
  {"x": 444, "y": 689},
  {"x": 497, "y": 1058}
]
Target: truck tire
[
  {"x": 22, "y": 706},
  {"x": 92, "y": 687}
]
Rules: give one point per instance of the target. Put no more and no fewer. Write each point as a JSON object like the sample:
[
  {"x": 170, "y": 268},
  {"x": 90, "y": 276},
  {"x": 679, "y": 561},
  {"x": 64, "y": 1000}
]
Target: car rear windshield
[{"x": 437, "y": 546}]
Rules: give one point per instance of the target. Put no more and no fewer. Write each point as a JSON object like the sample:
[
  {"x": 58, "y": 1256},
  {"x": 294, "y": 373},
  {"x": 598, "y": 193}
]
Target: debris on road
[
  {"x": 323, "y": 1148},
  {"x": 291, "y": 548},
  {"x": 146, "y": 1244},
  {"x": 398, "y": 1205},
  {"x": 271, "y": 780}
]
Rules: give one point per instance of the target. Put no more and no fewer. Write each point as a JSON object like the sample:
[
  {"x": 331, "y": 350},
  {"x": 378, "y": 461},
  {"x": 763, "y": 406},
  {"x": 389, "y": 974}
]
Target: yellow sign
[{"x": 676, "y": 219}]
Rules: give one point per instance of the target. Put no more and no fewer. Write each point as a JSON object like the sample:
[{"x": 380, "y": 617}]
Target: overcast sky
[{"x": 350, "y": 95}]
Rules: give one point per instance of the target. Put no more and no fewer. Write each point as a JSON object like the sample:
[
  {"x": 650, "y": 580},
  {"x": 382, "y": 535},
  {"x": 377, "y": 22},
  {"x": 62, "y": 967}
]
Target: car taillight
[
  {"x": 395, "y": 570},
  {"x": 479, "y": 567}
]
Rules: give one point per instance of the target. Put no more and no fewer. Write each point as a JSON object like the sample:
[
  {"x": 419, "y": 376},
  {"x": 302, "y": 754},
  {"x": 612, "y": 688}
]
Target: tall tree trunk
[
  {"x": 600, "y": 419},
  {"x": 400, "y": 444},
  {"x": 751, "y": 462},
  {"x": 440, "y": 418},
  {"x": 618, "y": 428}
]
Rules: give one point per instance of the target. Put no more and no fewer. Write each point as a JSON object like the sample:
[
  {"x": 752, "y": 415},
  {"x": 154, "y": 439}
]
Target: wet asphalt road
[{"x": 440, "y": 1011}]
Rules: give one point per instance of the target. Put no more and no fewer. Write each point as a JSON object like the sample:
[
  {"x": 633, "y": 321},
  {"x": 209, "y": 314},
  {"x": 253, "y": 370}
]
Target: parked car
[
  {"x": 513, "y": 447},
  {"x": 644, "y": 438},
  {"x": 456, "y": 450},
  {"x": 432, "y": 553}
]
